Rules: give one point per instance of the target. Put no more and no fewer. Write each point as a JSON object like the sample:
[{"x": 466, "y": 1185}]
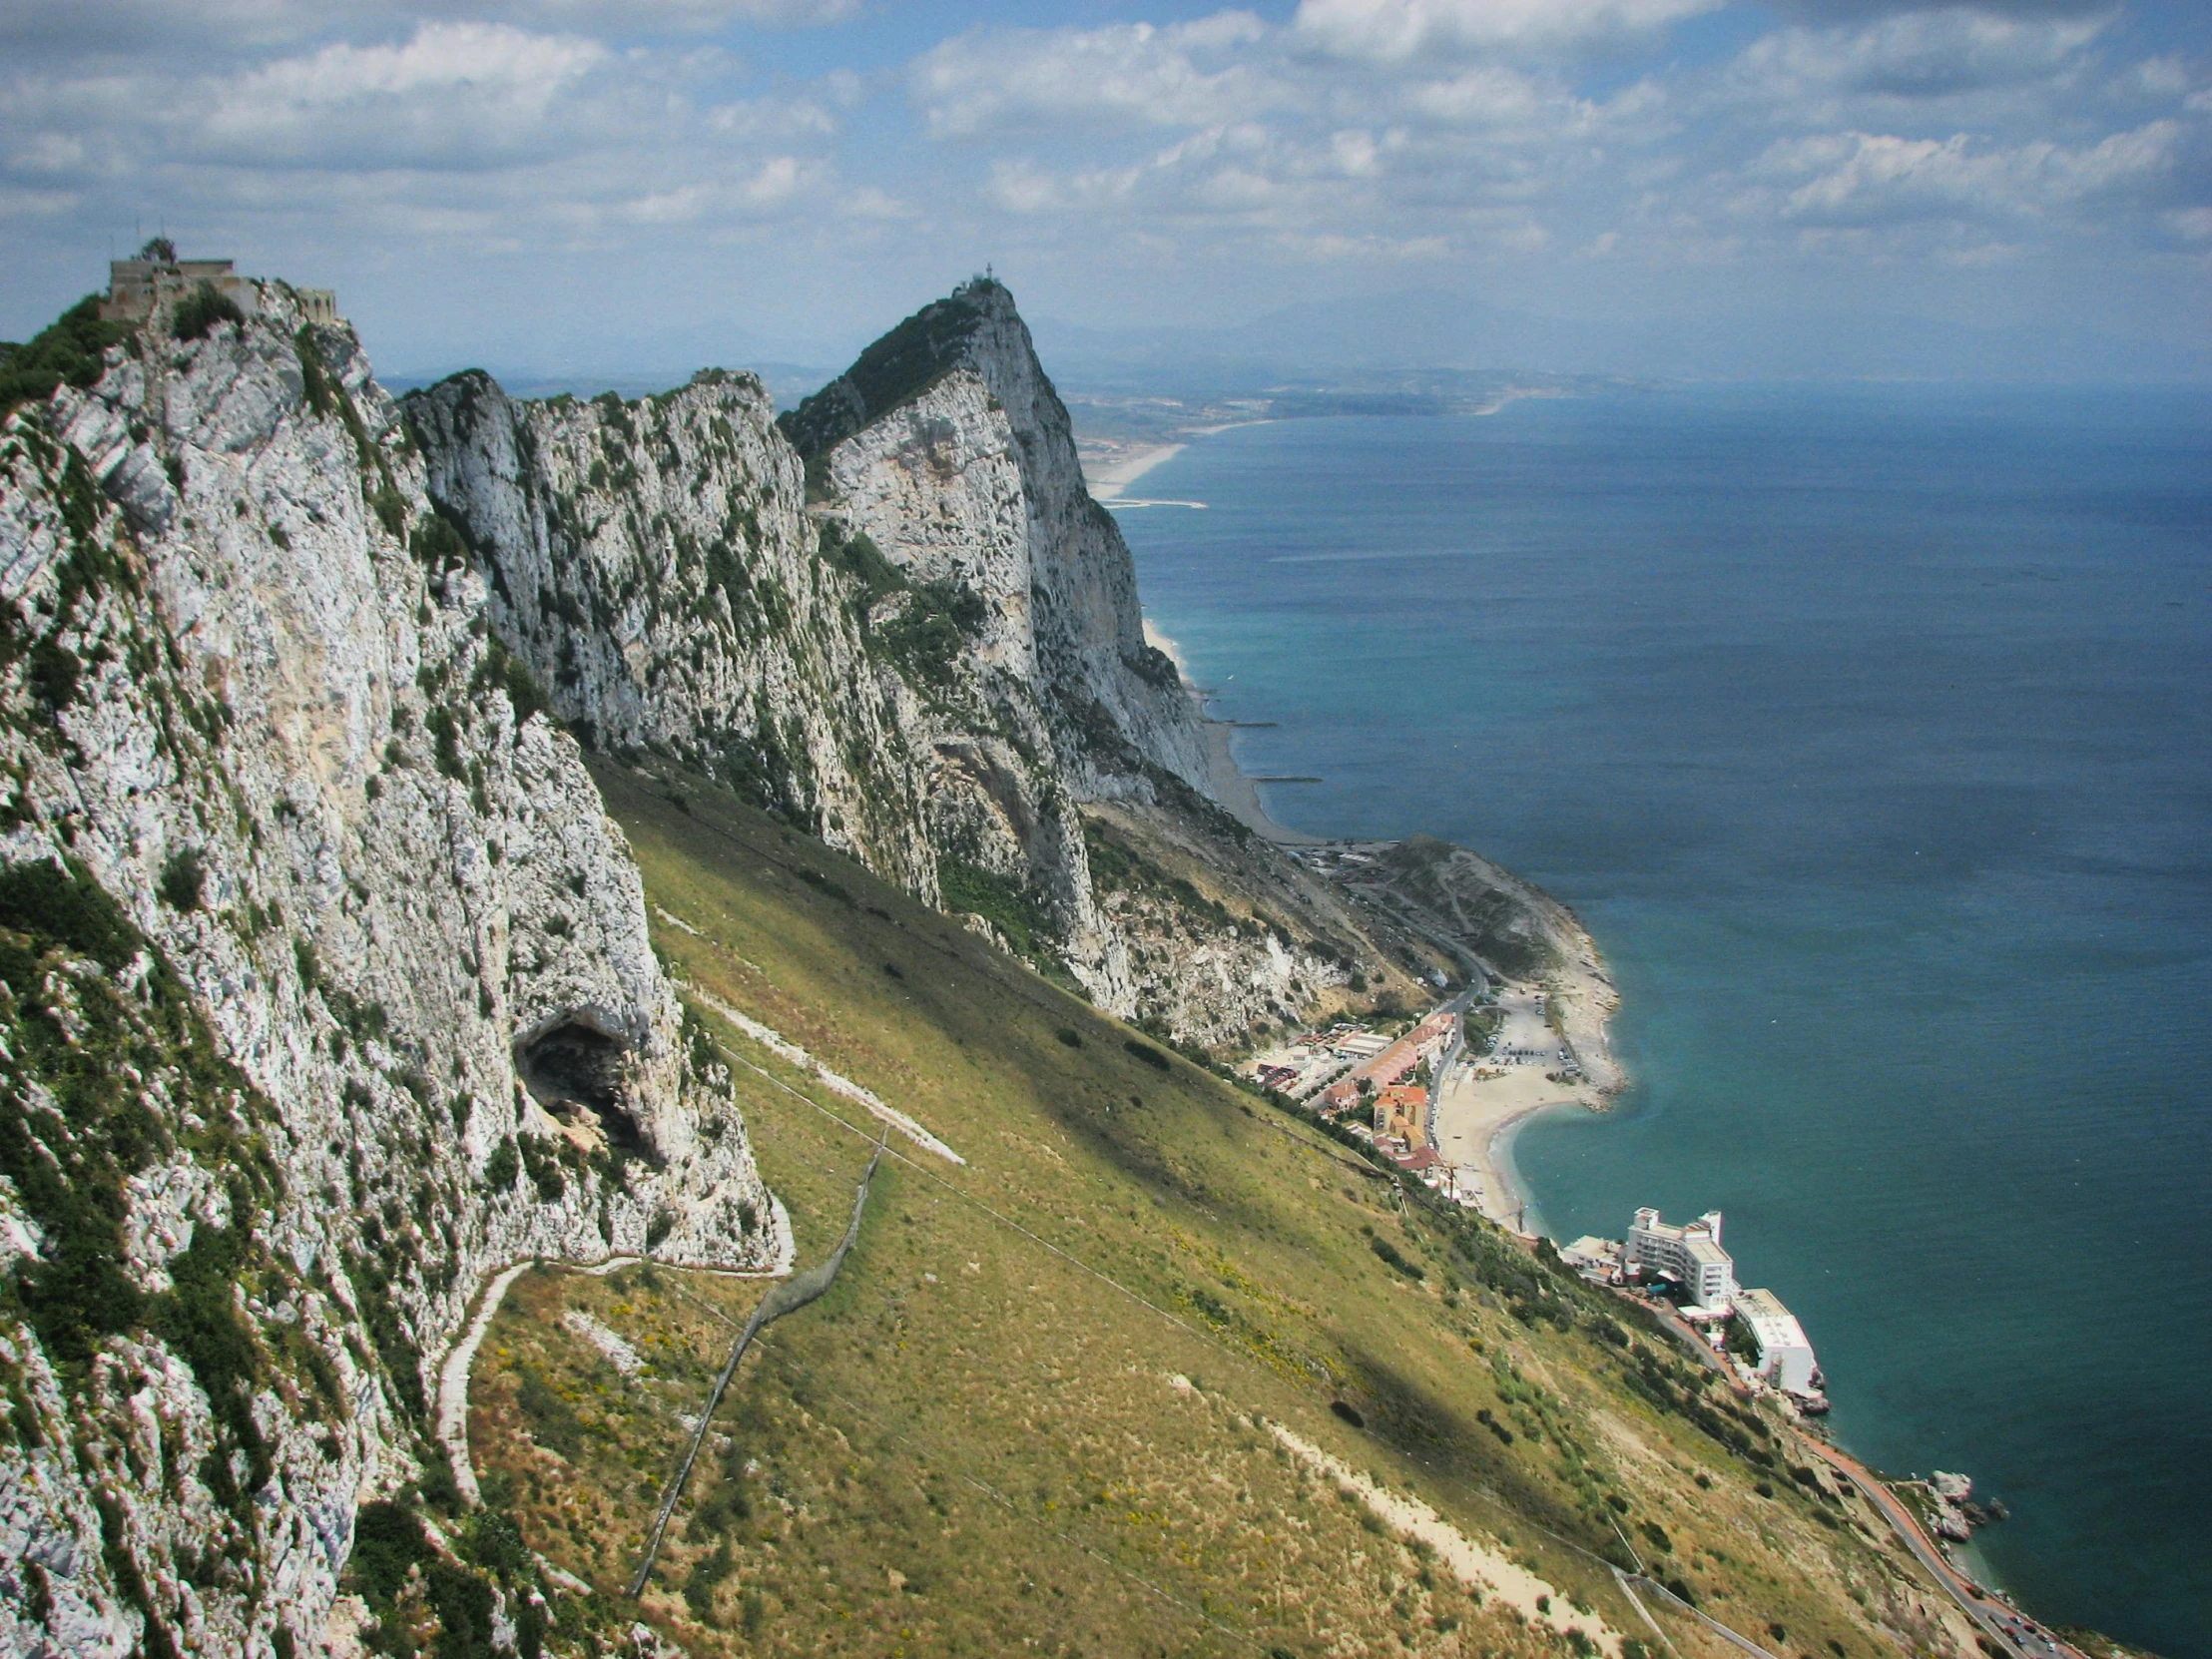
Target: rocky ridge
[
  {"x": 329, "y": 990},
  {"x": 898, "y": 616}
]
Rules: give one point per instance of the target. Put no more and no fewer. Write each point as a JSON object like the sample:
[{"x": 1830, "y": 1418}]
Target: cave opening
[{"x": 574, "y": 1067}]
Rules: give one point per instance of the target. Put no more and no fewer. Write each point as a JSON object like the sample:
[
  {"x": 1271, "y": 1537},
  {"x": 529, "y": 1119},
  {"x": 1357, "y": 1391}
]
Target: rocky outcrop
[
  {"x": 653, "y": 564},
  {"x": 896, "y": 616},
  {"x": 328, "y": 989},
  {"x": 948, "y": 447}
]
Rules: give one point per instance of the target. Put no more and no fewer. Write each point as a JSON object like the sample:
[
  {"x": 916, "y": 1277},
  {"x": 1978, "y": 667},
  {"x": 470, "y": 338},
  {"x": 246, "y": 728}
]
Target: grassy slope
[{"x": 972, "y": 1443}]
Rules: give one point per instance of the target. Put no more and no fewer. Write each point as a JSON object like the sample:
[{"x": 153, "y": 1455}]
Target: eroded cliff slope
[
  {"x": 326, "y": 989},
  {"x": 897, "y": 617}
]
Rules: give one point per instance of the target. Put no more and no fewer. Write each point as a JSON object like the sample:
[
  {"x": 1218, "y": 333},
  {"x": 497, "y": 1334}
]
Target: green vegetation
[
  {"x": 202, "y": 309},
  {"x": 82, "y": 1055},
  {"x": 182, "y": 881},
  {"x": 896, "y": 371},
  {"x": 425, "y": 1600},
  {"x": 1395, "y": 1257},
  {"x": 1021, "y": 921},
  {"x": 502, "y": 671},
  {"x": 928, "y": 637},
  {"x": 972, "y": 1435},
  {"x": 67, "y": 351},
  {"x": 863, "y": 561}
]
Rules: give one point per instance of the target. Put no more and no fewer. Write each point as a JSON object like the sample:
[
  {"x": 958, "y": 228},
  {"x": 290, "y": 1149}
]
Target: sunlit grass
[{"x": 972, "y": 1443}]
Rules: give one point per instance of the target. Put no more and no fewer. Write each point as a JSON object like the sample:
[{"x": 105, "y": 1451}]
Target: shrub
[
  {"x": 199, "y": 1319},
  {"x": 54, "y": 674},
  {"x": 856, "y": 554},
  {"x": 390, "y": 509},
  {"x": 1149, "y": 1055},
  {"x": 823, "y": 884},
  {"x": 388, "y": 1540},
  {"x": 314, "y": 379},
  {"x": 202, "y": 309},
  {"x": 1394, "y": 1259},
  {"x": 495, "y": 1543},
  {"x": 184, "y": 879},
  {"x": 1069, "y": 1036},
  {"x": 706, "y": 1575},
  {"x": 502, "y": 671},
  {"x": 67, "y": 351},
  {"x": 928, "y": 636},
  {"x": 545, "y": 1171},
  {"x": 1019, "y": 919},
  {"x": 68, "y": 907},
  {"x": 554, "y": 1426},
  {"x": 445, "y": 736},
  {"x": 436, "y": 543}
]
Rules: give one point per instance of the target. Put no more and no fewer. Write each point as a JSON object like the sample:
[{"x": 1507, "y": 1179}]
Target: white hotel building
[{"x": 1690, "y": 1254}]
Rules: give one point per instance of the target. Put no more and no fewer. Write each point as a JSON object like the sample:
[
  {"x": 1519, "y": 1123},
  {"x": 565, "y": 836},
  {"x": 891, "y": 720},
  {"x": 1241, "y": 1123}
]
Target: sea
[{"x": 1870, "y": 732}]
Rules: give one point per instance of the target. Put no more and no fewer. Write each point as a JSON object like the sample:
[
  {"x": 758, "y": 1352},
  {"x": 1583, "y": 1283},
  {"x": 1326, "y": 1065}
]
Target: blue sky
[{"x": 589, "y": 184}]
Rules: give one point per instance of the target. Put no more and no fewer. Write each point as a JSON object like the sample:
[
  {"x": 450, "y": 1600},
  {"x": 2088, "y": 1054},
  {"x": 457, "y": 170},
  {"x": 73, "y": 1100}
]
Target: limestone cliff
[
  {"x": 654, "y": 565},
  {"x": 898, "y": 616},
  {"x": 326, "y": 989}
]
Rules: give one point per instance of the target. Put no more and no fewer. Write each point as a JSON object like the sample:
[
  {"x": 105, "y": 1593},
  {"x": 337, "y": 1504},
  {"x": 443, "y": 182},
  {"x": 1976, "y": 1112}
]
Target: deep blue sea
[{"x": 1871, "y": 732}]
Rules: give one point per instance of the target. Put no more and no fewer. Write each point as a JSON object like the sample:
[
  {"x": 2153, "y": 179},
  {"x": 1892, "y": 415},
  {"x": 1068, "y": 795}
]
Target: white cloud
[
  {"x": 197, "y": 28},
  {"x": 36, "y": 203},
  {"x": 697, "y": 14},
  {"x": 1397, "y": 31},
  {"x": 452, "y": 94},
  {"x": 1868, "y": 179},
  {"x": 1129, "y": 74},
  {"x": 1339, "y": 133},
  {"x": 475, "y": 58},
  {"x": 1916, "y": 55}
]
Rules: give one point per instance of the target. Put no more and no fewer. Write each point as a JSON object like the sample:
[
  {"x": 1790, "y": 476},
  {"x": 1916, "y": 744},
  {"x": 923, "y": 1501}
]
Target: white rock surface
[
  {"x": 399, "y": 881},
  {"x": 659, "y": 566}
]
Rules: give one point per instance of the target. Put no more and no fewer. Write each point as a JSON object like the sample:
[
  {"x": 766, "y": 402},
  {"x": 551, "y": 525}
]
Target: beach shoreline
[
  {"x": 1480, "y": 1108},
  {"x": 1111, "y": 474}
]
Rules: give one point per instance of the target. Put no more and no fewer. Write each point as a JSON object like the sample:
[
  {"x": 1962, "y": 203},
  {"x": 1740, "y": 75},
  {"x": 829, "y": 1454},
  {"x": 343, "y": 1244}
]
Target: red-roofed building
[{"x": 1402, "y": 1111}]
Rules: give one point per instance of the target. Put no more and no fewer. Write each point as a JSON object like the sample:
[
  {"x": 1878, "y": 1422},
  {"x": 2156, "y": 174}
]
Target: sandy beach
[
  {"x": 1109, "y": 469},
  {"x": 1486, "y": 1098},
  {"x": 1240, "y": 793}
]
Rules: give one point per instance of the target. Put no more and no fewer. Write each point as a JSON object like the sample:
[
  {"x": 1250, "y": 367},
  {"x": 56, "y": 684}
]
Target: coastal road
[{"x": 1993, "y": 1617}]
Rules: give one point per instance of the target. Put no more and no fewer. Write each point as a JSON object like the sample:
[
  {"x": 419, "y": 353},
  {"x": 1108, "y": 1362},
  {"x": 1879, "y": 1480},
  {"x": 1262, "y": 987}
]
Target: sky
[{"x": 592, "y": 184}]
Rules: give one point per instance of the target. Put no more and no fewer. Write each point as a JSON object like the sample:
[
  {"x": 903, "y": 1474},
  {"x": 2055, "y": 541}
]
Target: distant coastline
[{"x": 1114, "y": 472}]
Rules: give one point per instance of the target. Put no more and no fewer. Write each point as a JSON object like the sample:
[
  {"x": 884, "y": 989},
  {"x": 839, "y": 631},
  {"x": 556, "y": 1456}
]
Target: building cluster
[
  {"x": 1370, "y": 1084},
  {"x": 1685, "y": 1265},
  {"x": 157, "y": 276}
]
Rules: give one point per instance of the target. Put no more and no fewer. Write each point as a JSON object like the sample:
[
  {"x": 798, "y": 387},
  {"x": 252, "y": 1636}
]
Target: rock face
[
  {"x": 898, "y": 616},
  {"x": 972, "y": 477},
  {"x": 655, "y": 566},
  {"x": 327, "y": 986}
]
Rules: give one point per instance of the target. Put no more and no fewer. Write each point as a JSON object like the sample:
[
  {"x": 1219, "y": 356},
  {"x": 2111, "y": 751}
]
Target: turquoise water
[{"x": 1867, "y": 730}]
